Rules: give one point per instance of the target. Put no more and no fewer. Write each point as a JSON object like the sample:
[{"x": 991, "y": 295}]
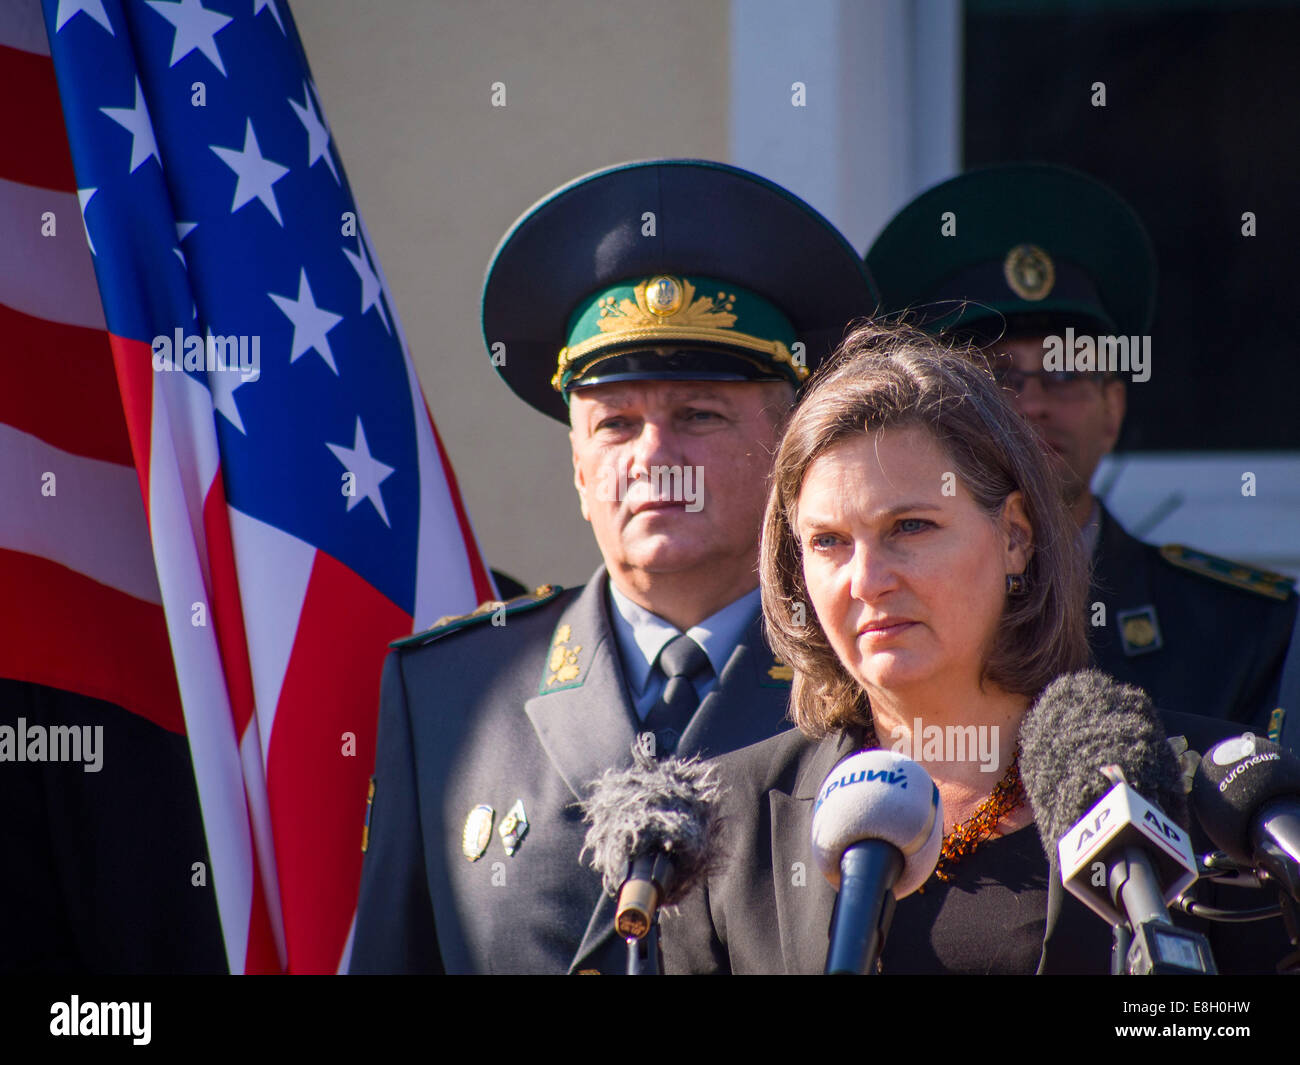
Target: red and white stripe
[{"x": 83, "y": 609}]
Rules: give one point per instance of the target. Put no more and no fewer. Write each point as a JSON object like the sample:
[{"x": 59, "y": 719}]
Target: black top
[{"x": 989, "y": 918}]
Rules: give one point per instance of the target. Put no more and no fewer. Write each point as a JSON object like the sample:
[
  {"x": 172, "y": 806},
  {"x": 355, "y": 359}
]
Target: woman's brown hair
[{"x": 885, "y": 377}]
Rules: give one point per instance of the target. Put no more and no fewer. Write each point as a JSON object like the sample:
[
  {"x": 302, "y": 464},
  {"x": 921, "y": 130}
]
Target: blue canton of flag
[{"x": 264, "y": 233}]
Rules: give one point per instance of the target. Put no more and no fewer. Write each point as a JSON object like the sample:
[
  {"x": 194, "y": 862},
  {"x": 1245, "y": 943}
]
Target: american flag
[{"x": 204, "y": 312}]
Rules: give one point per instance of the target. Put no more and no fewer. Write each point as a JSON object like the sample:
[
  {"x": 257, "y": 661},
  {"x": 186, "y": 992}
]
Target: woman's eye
[
  {"x": 823, "y": 541},
  {"x": 909, "y": 525}
]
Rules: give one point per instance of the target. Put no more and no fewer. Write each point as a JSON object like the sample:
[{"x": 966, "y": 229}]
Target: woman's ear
[{"x": 1017, "y": 533}]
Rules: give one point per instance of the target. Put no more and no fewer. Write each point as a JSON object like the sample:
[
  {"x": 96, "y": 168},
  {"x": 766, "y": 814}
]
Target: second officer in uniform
[{"x": 1012, "y": 257}]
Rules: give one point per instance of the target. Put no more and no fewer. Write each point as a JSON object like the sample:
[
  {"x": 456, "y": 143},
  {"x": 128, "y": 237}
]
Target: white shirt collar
[{"x": 642, "y": 635}]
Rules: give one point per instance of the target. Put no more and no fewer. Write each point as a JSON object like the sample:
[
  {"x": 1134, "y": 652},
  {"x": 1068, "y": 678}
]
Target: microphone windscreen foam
[
  {"x": 1235, "y": 778},
  {"x": 1081, "y": 722},
  {"x": 654, "y": 807},
  {"x": 879, "y": 795}
]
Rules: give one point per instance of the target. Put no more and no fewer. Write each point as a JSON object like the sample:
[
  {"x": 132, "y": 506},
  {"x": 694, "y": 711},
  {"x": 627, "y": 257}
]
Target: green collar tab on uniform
[
  {"x": 483, "y": 612},
  {"x": 667, "y": 310}
]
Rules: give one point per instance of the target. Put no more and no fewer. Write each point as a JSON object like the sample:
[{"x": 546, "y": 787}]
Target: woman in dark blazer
[{"x": 920, "y": 575}]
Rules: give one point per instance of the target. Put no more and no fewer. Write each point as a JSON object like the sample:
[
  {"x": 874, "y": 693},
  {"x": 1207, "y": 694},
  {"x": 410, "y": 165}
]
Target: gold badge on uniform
[
  {"x": 779, "y": 670},
  {"x": 1029, "y": 271},
  {"x": 478, "y": 832},
  {"x": 514, "y": 827},
  {"x": 1139, "y": 632}
]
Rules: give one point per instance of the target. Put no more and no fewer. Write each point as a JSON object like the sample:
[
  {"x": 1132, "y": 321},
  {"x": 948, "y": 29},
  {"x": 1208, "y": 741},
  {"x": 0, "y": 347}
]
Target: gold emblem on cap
[
  {"x": 477, "y": 832},
  {"x": 667, "y": 309},
  {"x": 1029, "y": 271},
  {"x": 663, "y": 296}
]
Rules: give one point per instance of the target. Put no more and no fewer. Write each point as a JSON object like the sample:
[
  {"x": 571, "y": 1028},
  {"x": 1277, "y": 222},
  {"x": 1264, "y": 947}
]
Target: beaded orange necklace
[{"x": 1007, "y": 795}]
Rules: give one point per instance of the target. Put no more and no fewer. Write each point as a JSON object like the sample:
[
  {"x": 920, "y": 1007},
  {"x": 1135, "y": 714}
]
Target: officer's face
[
  {"x": 672, "y": 475},
  {"x": 1079, "y": 421},
  {"x": 906, "y": 576}
]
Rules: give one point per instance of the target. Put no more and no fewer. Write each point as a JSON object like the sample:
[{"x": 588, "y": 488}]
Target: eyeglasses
[{"x": 1060, "y": 383}]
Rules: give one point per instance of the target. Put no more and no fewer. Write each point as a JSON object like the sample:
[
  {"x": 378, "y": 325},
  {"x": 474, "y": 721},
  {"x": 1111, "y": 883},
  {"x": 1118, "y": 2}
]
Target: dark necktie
[{"x": 683, "y": 662}]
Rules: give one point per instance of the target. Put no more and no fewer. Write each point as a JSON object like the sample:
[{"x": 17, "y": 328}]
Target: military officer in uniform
[
  {"x": 666, "y": 312},
  {"x": 1010, "y": 258}
]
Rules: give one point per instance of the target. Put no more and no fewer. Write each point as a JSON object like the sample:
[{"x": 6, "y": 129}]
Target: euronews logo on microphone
[{"x": 1239, "y": 753}]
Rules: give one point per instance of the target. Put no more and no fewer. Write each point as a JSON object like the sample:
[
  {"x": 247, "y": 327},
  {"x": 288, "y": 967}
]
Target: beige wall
[{"x": 439, "y": 175}]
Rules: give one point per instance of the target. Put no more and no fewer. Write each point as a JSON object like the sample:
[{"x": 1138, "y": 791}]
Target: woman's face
[{"x": 906, "y": 573}]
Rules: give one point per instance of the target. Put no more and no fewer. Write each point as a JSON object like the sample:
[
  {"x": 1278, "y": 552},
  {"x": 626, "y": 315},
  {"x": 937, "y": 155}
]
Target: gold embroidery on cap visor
[
  {"x": 666, "y": 311},
  {"x": 1029, "y": 271}
]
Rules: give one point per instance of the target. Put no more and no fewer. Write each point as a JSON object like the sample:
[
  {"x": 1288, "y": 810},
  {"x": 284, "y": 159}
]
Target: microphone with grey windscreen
[
  {"x": 876, "y": 832},
  {"x": 1107, "y": 795},
  {"x": 652, "y": 837}
]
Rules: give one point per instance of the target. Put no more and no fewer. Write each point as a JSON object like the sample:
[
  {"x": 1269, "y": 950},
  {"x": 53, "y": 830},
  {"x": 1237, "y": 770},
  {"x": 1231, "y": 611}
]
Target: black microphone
[
  {"x": 1247, "y": 797},
  {"x": 1107, "y": 794},
  {"x": 876, "y": 832},
  {"x": 653, "y": 830}
]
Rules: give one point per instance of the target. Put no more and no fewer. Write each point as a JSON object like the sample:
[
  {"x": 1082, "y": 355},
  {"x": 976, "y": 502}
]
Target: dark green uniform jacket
[
  {"x": 528, "y": 712},
  {"x": 1190, "y": 639}
]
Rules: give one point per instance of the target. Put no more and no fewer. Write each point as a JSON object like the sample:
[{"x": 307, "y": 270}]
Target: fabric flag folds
[{"x": 299, "y": 505}]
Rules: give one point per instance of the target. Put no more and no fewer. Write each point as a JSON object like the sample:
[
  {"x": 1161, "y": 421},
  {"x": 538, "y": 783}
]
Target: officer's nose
[{"x": 655, "y": 446}]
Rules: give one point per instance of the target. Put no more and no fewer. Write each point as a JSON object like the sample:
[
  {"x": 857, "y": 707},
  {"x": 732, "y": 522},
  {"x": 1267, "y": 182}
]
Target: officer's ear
[
  {"x": 1114, "y": 397},
  {"x": 579, "y": 481}
]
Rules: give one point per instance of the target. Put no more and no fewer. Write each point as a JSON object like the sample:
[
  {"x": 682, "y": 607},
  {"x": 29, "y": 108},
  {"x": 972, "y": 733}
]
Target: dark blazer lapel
[
  {"x": 747, "y": 704},
  {"x": 586, "y": 724},
  {"x": 803, "y": 912}
]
